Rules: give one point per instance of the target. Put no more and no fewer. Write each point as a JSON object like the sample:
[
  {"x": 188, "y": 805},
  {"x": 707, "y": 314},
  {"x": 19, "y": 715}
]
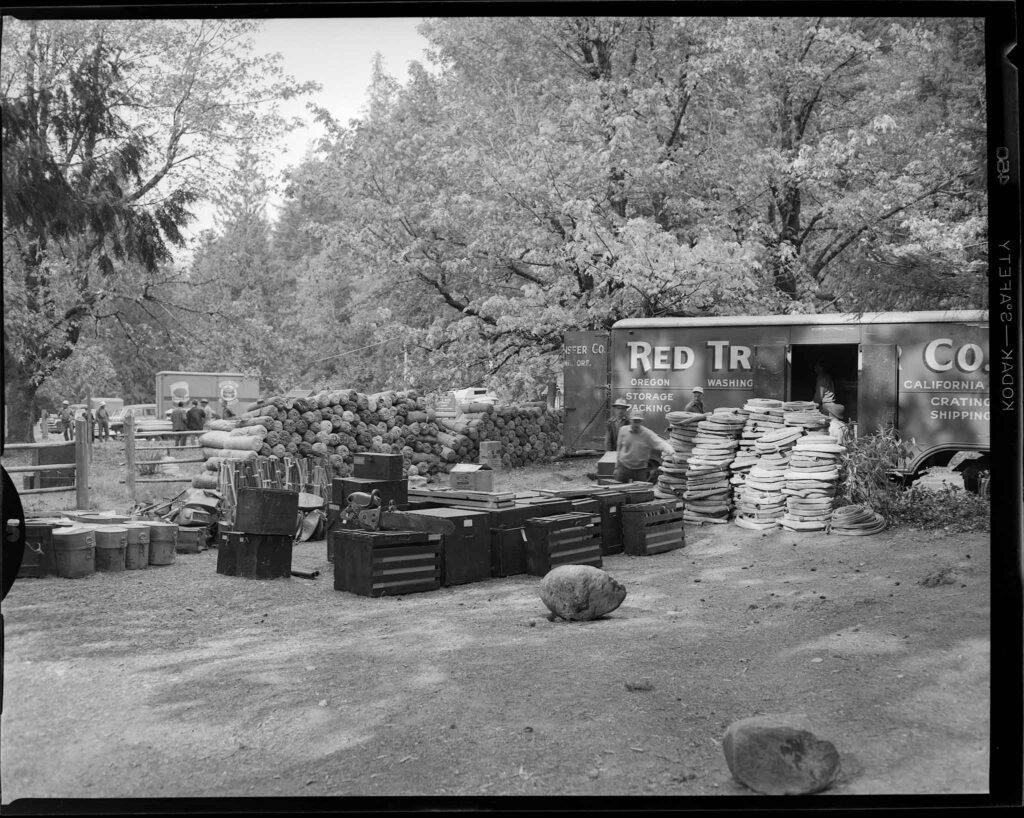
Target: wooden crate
[
  {"x": 379, "y": 563},
  {"x": 256, "y": 556},
  {"x": 610, "y": 506},
  {"x": 267, "y": 511},
  {"x": 563, "y": 539},
  {"x": 466, "y": 552},
  {"x": 227, "y": 555},
  {"x": 652, "y": 528},
  {"x": 508, "y": 551},
  {"x": 377, "y": 466}
]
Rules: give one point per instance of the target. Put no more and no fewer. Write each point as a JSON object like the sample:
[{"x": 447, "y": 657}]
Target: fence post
[
  {"x": 129, "y": 455},
  {"x": 81, "y": 465}
]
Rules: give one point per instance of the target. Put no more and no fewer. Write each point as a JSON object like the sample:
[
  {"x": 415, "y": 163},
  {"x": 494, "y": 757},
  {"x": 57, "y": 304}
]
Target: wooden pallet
[
  {"x": 652, "y": 528},
  {"x": 467, "y": 499}
]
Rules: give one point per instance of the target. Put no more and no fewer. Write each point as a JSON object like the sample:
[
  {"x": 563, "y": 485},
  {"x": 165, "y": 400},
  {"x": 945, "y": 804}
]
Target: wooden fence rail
[
  {"x": 80, "y": 467},
  {"x": 132, "y": 464}
]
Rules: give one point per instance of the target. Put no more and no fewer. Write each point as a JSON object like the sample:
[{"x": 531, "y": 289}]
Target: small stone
[
  {"x": 580, "y": 592},
  {"x": 778, "y": 755},
  {"x": 594, "y": 774}
]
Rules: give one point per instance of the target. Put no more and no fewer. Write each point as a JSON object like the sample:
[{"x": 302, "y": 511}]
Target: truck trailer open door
[
  {"x": 770, "y": 371},
  {"x": 877, "y": 382},
  {"x": 585, "y": 390}
]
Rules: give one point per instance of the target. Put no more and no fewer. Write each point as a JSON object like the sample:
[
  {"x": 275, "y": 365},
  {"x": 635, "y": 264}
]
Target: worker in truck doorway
[
  {"x": 619, "y": 418},
  {"x": 824, "y": 386},
  {"x": 697, "y": 404},
  {"x": 636, "y": 447}
]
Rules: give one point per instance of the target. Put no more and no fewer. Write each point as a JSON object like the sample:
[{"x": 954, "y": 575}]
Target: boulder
[
  {"x": 580, "y": 592},
  {"x": 779, "y": 755}
]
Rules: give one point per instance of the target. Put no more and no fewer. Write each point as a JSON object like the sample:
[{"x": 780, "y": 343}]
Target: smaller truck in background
[{"x": 235, "y": 389}]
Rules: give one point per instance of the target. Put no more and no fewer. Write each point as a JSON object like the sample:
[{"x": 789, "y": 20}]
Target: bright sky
[{"x": 337, "y": 53}]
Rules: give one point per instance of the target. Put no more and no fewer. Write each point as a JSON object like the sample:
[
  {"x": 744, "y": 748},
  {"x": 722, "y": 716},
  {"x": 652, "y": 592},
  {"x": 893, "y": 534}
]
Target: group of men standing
[
  {"x": 192, "y": 420},
  {"x": 97, "y": 425}
]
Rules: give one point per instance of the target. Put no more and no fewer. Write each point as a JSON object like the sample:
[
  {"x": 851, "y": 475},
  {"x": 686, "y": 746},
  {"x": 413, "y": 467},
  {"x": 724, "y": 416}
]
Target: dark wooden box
[
  {"x": 610, "y": 508},
  {"x": 465, "y": 553},
  {"x": 267, "y": 511},
  {"x": 397, "y": 490},
  {"x": 377, "y": 466},
  {"x": 638, "y": 495},
  {"x": 227, "y": 553},
  {"x": 508, "y": 551},
  {"x": 378, "y": 563},
  {"x": 38, "y": 559},
  {"x": 652, "y": 528},
  {"x": 256, "y": 556},
  {"x": 564, "y": 539},
  {"x": 523, "y": 510}
]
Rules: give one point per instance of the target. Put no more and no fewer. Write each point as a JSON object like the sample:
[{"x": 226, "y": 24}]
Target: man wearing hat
[
  {"x": 636, "y": 446},
  {"x": 697, "y": 404},
  {"x": 615, "y": 422},
  {"x": 66, "y": 418},
  {"x": 103, "y": 421},
  {"x": 208, "y": 411},
  {"x": 837, "y": 421}
]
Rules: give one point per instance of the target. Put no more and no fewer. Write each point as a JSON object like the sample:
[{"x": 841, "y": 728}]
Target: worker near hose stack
[
  {"x": 636, "y": 450},
  {"x": 619, "y": 418}
]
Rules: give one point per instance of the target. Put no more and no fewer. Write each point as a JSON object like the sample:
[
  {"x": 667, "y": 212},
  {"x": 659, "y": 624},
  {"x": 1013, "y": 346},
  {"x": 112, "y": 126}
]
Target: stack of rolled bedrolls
[
  {"x": 682, "y": 434},
  {"x": 811, "y": 481},
  {"x": 805, "y": 415},
  {"x": 708, "y": 494}
]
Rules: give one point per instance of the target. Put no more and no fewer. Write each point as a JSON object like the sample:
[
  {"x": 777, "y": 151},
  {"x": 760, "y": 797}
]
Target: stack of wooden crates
[{"x": 259, "y": 543}]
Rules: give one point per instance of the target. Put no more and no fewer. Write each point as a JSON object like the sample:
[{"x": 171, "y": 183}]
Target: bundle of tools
[
  {"x": 708, "y": 495},
  {"x": 309, "y": 477},
  {"x": 811, "y": 483}
]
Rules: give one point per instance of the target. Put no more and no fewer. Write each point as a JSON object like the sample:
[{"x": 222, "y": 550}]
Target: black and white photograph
[{"x": 413, "y": 406}]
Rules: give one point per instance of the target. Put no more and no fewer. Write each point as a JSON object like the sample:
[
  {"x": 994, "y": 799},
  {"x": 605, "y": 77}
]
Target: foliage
[
  {"x": 558, "y": 173},
  {"x": 867, "y": 464},
  {"x": 111, "y": 130},
  {"x": 948, "y": 508}
]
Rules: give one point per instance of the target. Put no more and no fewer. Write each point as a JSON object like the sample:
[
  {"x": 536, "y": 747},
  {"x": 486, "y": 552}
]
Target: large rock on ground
[
  {"x": 778, "y": 755},
  {"x": 580, "y": 592}
]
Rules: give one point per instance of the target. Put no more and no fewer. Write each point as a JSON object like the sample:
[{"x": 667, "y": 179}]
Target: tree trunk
[{"x": 20, "y": 404}]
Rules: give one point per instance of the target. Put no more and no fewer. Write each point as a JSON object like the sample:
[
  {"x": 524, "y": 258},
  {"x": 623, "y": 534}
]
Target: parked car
[{"x": 142, "y": 412}]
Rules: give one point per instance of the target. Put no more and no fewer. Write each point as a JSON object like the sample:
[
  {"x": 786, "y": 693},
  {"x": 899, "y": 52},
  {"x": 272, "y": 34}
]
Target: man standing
[
  {"x": 103, "y": 421},
  {"x": 824, "y": 386},
  {"x": 697, "y": 404},
  {"x": 179, "y": 423},
  {"x": 636, "y": 446},
  {"x": 67, "y": 420},
  {"x": 208, "y": 412},
  {"x": 615, "y": 422}
]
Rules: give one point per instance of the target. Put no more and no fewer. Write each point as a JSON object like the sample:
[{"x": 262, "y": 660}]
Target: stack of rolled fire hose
[
  {"x": 708, "y": 495},
  {"x": 761, "y": 503},
  {"x": 682, "y": 434},
  {"x": 855, "y": 521},
  {"x": 811, "y": 481}
]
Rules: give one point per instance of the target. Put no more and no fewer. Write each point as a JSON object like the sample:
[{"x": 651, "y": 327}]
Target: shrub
[
  {"x": 948, "y": 508},
  {"x": 867, "y": 464}
]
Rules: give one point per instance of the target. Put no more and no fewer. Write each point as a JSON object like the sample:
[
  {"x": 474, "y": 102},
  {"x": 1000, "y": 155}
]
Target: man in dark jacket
[
  {"x": 195, "y": 418},
  {"x": 615, "y": 422},
  {"x": 179, "y": 423}
]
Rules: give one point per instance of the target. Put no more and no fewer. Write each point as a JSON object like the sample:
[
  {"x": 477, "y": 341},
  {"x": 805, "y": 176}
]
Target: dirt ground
[{"x": 177, "y": 681}]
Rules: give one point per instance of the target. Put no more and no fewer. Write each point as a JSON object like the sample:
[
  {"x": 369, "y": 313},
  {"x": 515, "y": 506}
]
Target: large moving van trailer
[
  {"x": 234, "y": 388},
  {"x": 924, "y": 373}
]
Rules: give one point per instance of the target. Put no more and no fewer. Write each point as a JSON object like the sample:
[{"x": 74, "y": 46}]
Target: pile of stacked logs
[{"x": 338, "y": 424}]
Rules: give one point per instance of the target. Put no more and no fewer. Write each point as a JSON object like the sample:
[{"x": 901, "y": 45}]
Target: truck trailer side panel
[{"x": 927, "y": 374}]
